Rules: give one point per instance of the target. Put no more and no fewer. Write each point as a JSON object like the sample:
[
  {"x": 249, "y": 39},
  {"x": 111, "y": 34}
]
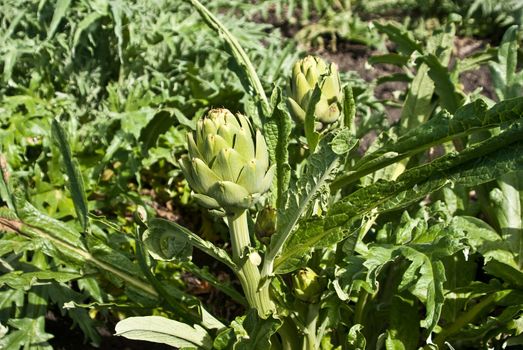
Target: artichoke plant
[
  {"x": 228, "y": 164},
  {"x": 306, "y": 73},
  {"x": 228, "y": 168}
]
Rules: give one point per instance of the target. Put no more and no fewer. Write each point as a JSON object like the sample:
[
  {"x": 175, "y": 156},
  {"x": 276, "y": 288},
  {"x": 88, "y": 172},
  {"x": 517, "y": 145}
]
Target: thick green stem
[
  {"x": 310, "y": 342},
  {"x": 289, "y": 335},
  {"x": 360, "y": 305},
  {"x": 257, "y": 295},
  {"x": 467, "y": 317},
  {"x": 237, "y": 52}
]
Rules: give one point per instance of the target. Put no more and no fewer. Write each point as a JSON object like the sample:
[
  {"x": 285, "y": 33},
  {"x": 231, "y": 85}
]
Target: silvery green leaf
[
  {"x": 74, "y": 176},
  {"x": 310, "y": 235},
  {"x": 34, "y": 218},
  {"x": 442, "y": 128},
  {"x": 504, "y": 76},
  {"x": 321, "y": 167},
  {"x": 355, "y": 338},
  {"x": 475, "y": 165},
  {"x": 162, "y": 330},
  {"x": 343, "y": 142},
  {"x": 277, "y": 130},
  {"x": 404, "y": 330},
  {"x": 21, "y": 280}
]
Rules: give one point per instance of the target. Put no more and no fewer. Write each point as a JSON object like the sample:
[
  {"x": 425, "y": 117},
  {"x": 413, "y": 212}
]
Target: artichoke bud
[
  {"x": 308, "y": 286},
  {"x": 265, "y": 225},
  {"x": 306, "y": 73},
  {"x": 228, "y": 163}
]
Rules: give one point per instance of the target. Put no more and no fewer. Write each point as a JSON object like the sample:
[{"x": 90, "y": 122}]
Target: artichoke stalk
[
  {"x": 228, "y": 169},
  {"x": 306, "y": 73},
  {"x": 308, "y": 287}
]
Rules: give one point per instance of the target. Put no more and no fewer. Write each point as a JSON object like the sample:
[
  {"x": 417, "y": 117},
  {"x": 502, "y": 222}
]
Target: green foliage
[
  {"x": 94, "y": 105},
  {"x": 414, "y": 242}
]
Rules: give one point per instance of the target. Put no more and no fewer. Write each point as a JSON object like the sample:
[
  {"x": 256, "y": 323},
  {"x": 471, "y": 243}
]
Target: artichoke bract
[
  {"x": 306, "y": 73},
  {"x": 228, "y": 162}
]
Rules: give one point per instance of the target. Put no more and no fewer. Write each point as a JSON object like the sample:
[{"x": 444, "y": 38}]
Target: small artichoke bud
[
  {"x": 228, "y": 163},
  {"x": 265, "y": 224},
  {"x": 306, "y": 73},
  {"x": 307, "y": 285}
]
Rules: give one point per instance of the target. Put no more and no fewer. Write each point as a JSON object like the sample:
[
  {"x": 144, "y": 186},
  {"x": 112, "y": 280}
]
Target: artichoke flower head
[
  {"x": 306, "y": 73},
  {"x": 228, "y": 162}
]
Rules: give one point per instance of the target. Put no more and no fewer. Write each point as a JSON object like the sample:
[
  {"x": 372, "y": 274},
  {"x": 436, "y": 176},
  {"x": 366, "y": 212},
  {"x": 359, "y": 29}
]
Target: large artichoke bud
[
  {"x": 227, "y": 166},
  {"x": 306, "y": 73}
]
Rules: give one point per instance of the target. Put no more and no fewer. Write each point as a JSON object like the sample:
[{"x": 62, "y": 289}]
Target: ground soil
[{"x": 68, "y": 337}]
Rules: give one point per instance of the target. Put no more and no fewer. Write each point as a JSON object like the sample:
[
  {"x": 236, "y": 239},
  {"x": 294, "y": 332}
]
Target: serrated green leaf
[
  {"x": 443, "y": 84},
  {"x": 355, "y": 338},
  {"x": 404, "y": 324},
  {"x": 162, "y": 330},
  {"x": 375, "y": 260},
  {"x": 469, "y": 118},
  {"x": 310, "y": 119},
  {"x": 74, "y": 176},
  {"x": 321, "y": 166},
  {"x": 59, "y": 13},
  {"x": 406, "y": 43},
  {"x": 25, "y": 280},
  {"x": 309, "y": 235},
  {"x": 390, "y": 58},
  {"x": 277, "y": 129},
  {"x": 500, "y": 261},
  {"x": 475, "y": 165},
  {"x": 259, "y": 332},
  {"x": 33, "y": 218},
  {"x": 503, "y": 72},
  {"x": 84, "y": 24},
  {"x": 32, "y": 321},
  {"x": 29, "y": 332},
  {"x": 428, "y": 287}
]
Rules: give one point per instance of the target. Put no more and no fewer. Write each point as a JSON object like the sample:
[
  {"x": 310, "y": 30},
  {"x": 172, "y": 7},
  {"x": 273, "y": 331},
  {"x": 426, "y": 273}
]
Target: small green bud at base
[
  {"x": 265, "y": 224},
  {"x": 307, "y": 285}
]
